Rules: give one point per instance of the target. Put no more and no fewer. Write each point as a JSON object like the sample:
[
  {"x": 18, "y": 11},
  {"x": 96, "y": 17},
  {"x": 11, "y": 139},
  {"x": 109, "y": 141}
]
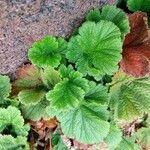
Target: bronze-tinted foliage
[{"x": 136, "y": 49}]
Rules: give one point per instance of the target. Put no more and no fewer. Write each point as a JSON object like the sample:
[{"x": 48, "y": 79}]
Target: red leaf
[{"x": 136, "y": 49}]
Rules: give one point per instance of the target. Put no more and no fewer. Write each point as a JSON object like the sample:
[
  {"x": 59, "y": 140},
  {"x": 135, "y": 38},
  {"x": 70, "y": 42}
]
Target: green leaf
[
  {"x": 47, "y": 51},
  {"x": 50, "y": 77},
  {"x": 7, "y": 142},
  {"x": 70, "y": 91},
  {"x": 36, "y": 112},
  {"x": 28, "y": 76},
  {"x": 5, "y": 87},
  {"x": 31, "y": 97},
  {"x": 114, "y": 137},
  {"x": 86, "y": 123},
  {"x": 97, "y": 48},
  {"x": 113, "y": 14},
  {"x": 97, "y": 93},
  {"x": 143, "y": 137},
  {"x": 132, "y": 97},
  {"x": 11, "y": 118},
  {"x": 140, "y": 5},
  {"x": 128, "y": 143},
  {"x": 94, "y": 15},
  {"x": 57, "y": 142}
]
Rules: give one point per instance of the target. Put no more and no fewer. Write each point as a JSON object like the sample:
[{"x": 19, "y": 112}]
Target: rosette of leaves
[
  {"x": 48, "y": 51},
  {"x": 129, "y": 96},
  {"x": 13, "y": 131},
  {"x": 96, "y": 49},
  {"x": 86, "y": 118},
  {"x": 32, "y": 84},
  {"x": 113, "y": 14}
]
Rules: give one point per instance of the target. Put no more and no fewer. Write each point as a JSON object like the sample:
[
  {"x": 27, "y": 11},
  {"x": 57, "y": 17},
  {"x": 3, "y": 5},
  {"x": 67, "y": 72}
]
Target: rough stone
[{"x": 24, "y": 21}]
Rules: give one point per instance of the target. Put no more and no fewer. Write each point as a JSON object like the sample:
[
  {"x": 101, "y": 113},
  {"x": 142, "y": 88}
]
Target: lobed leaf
[
  {"x": 7, "y": 142},
  {"x": 136, "y": 49},
  {"x": 96, "y": 50},
  {"x": 28, "y": 76},
  {"x": 31, "y": 97},
  {"x": 12, "y": 117},
  {"x": 68, "y": 92},
  {"x": 47, "y": 51},
  {"x": 97, "y": 93},
  {"x": 131, "y": 97},
  {"x": 113, "y": 14},
  {"x": 140, "y": 5},
  {"x": 87, "y": 123},
  {"x": 50, "y": 77},
  {"x": 36, "y": 112}
]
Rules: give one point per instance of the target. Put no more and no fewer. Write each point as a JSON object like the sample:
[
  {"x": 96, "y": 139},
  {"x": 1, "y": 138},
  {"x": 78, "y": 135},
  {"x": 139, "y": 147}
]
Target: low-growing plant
[{"x": 90, "y": 92}]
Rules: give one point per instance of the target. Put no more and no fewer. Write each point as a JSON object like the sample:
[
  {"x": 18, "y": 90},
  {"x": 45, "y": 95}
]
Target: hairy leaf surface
[
  {"x": 86, "y": 123},
  {"x": 12, "y": 117},
  {"x": 31, "y": 97},
  {"x": 97, "y": 93},
  {"x": 28, "y": 76},
  {"x": 36, "y": 112},
  {"x": 7, "y": 142},
  {"x": 96, "y": 50},
  {"x": 50, "y": 77},
  {"x": 140, "y": 5},
  {"x": 70, "y": 91},
  {"x": 113, "y": 14},
  {"x": 5, "y": 87},
  {"x": 47, "y": 51},
  {"x": 131, "y": 97}
]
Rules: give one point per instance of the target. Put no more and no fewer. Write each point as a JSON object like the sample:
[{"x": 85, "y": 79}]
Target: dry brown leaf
[{"x": 136, "y": 49}]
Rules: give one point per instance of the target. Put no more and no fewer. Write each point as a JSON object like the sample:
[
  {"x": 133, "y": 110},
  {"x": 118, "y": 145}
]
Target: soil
[{"x": 24, "y": 21}]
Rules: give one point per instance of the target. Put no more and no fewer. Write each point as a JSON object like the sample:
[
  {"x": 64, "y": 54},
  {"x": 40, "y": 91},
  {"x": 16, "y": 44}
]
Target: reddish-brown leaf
[
  {"x": 136, "y": 49},
  {"x": 28, "y": 76}
]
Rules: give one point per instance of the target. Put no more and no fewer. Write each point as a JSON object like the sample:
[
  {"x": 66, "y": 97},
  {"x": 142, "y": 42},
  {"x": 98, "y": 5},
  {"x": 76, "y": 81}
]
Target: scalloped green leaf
[
  {"x": 114, "y": 137},
  {"x": 7, "y": 142},
  {"x": 131, "y": 97},
  {"x": 36, "y": 112},
  {"x": 11, "y": 116},
  {"x": 113, "y": 14},
  {"x": 28, "y": 76},
  {"x": 94, "y": 15},
  {"x": 140, "y": 5},
  {"x": 47, "y": 51},
  {"x": 87, "y": 123},
  {"x": 50, "y": 77},
  {"x": 97, "y": 48},
  {"x": 31, "y": 97},
  {"x": 97, "y": 93},
  {"x": 68, "y": 92},
  {"x": 5, "y": 87}
]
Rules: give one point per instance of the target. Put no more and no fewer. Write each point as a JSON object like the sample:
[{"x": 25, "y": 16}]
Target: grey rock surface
[{"x": 24, "y": 21}]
